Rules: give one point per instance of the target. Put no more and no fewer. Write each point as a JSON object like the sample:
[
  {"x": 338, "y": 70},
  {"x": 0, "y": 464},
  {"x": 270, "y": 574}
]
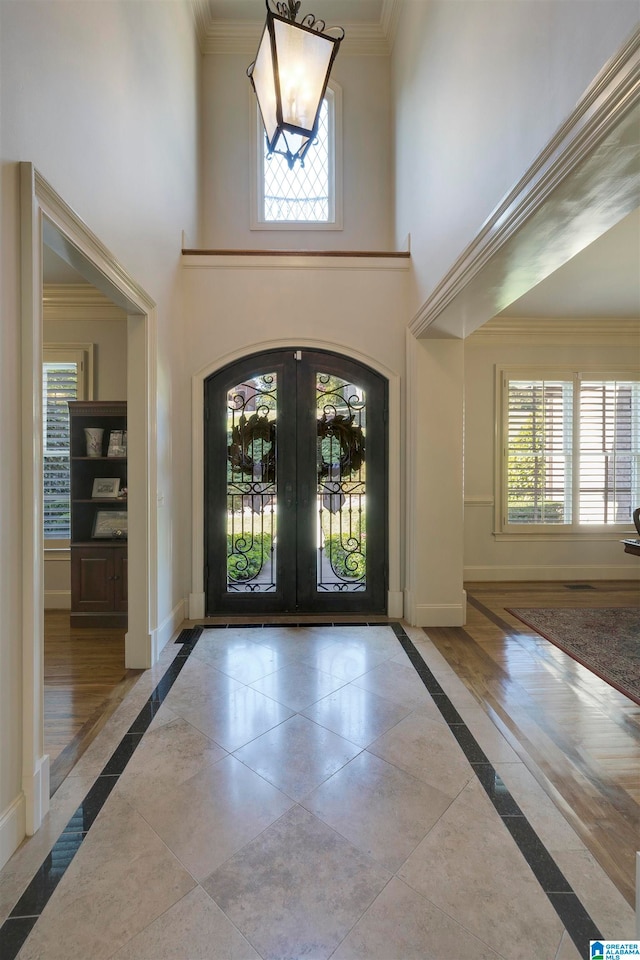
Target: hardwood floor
[
  {"x": 84, "y": 681},
  {"x": 578, "y": 736}
]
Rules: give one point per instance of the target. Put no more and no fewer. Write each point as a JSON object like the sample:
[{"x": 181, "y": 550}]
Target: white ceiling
[{"x": 601, "y": 281}]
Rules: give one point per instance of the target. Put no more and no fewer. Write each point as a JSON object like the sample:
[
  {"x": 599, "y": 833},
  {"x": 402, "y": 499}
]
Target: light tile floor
[{"x": 299, "y": 795}]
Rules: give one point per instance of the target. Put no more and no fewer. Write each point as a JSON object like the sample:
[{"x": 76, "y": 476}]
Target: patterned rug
[{"x": 607, "y": 641}]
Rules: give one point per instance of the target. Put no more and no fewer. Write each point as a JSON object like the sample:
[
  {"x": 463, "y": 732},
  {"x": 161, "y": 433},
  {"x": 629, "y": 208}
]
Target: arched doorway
[{"x": 295, "y": 485}]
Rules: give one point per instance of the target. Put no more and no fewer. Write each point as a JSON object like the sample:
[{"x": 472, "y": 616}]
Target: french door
[{"x": 295, "y": 485}]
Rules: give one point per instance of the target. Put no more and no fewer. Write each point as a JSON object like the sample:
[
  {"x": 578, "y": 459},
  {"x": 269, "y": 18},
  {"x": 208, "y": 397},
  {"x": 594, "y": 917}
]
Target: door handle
[{"x": 304, "y": 494}]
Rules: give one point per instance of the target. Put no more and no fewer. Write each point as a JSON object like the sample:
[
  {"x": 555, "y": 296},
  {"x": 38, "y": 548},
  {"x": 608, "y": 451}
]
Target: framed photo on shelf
[
  {"x": 110, "y": 525},
  {"x": 117, "y": 443},
  {"x": 105, "y": 487}
]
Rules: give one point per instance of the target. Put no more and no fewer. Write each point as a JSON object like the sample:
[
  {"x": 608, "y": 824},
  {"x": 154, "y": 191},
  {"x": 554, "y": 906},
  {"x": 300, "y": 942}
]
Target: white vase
[{"x": 93, "y": 437}]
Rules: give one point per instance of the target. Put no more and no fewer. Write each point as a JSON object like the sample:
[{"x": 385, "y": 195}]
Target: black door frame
[{"x": 296, "y": 523}]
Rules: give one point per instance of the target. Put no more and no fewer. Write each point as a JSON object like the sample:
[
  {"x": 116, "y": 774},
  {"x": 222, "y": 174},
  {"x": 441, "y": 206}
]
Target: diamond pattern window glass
[
  {"x": 309, "y": 197},
  {"x": 301, "y": 193}
]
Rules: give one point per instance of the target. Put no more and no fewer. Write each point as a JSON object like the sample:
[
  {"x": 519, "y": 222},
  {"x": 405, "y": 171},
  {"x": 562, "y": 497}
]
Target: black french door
[{"x": 295, "y": 485}]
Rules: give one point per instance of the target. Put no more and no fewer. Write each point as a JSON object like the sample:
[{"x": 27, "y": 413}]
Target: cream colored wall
[
  {"x": 102, "y": 97},
  {"x": 109, "y": 338},
  {"x": 238, "y": 306},
  {"x": 229, "y": 107},
  {"x": 478, "y": 90},
  {"x": 606, "y": 344},
  {"x": 434, "y": 594}
]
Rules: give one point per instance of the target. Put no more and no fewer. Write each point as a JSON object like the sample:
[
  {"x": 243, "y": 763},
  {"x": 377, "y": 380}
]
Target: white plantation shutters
[
  {"x": 539, "y": 438},
  {"x": 63, "y": 379},
  {"x": 609, "y": 450},
  {"x": 571, "y": 449}
]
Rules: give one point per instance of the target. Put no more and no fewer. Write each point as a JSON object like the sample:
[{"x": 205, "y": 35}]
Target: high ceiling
[
  {"x": 332, "y": 11},
  {"x": 601, "y": 281}
]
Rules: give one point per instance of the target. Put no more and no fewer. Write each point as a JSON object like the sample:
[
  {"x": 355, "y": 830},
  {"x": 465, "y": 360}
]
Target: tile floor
[{"x": 304, "y": 792}]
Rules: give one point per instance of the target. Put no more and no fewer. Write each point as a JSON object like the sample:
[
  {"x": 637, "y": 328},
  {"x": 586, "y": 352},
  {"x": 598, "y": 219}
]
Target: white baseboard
[
  {"x": 544, "y": 572},
  {"x": 57, "y": 600},
  {"x": 35, "y": 787},
  {"x": 435, "y": 614},
  {"x": 12, "y": 829},
  {"x": 196, "y": 606},
  {"x": 395, "y": 604},
  {"x": 167, "y": 629}
]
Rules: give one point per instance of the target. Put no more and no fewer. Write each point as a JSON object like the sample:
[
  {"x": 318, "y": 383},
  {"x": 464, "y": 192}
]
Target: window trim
[
  {"x": 334, "y": 96},
  {"x": 82, "y": 354},
  {"x": 503, "y": 530}
]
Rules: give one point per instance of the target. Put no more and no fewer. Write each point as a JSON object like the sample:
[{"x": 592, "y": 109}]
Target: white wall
[
  {"x": 479, "y": 88},
  {"x": 608, "y": 344},
  {"x": 229, "y": 107},
  {"x": 102, "y": 97}
]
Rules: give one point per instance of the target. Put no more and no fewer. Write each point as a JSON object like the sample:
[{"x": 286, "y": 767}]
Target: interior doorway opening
[{"x": 46, "y": 217}]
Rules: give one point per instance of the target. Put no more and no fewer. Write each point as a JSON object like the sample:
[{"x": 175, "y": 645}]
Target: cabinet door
[{"x": 92, "y": 580}]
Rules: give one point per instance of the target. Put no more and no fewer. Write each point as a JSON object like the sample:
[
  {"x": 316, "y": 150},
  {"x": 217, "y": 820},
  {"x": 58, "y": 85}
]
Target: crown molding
[
  {"x": 588, "y": 331},
  {"x": 389, "y": 20},
  {"x": 243, "y": 36},
  {"x": 611, "y": 101},
  {"x": 201, "y": 19},
  {"x": 78, "y": 301}
]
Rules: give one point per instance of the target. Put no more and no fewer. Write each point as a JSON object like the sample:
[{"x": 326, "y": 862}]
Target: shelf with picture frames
[{"x": 98, "y": 512}]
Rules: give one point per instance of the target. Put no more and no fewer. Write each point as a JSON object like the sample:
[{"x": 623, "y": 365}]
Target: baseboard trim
[
  {"x": 35, "y": 788},
  {"x": 196, "y": 606},
  {"x": 12, "y": 829},
  {"x": 435, "y": 614},
  {"x": 395, "y": 604},
  {"x": 543, "y": 572},
  {"x": 57, "y": 600},
  {"x": 164, "y": 633}
]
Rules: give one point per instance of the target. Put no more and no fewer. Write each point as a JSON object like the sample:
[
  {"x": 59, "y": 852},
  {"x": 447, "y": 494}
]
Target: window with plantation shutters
[
  {"x": 538, "y": 451},
  {"x": 64, "y": 375},
  {"x": 570, "y": 451},
  {"x": 609, "y": 413}
]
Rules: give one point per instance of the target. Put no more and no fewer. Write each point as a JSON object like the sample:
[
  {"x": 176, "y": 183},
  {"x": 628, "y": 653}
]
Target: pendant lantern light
[{"x": 289, "y": 76}]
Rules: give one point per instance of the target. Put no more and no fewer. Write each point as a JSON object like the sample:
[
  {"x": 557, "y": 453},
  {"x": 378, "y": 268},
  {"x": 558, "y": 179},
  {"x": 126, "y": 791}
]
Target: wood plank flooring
[
  {"x": 84, "y": 681},
  {"x": 578, "y": 736}
]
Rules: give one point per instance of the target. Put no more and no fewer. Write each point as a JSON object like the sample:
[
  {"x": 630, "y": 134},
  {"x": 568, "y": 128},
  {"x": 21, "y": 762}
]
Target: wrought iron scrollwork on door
[
  {"x": 252, "y": 485},
  {"x": 341, "y": 497}
]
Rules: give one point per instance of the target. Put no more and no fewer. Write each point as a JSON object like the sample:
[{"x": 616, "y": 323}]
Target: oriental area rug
[{"x": 606, "y": 641}]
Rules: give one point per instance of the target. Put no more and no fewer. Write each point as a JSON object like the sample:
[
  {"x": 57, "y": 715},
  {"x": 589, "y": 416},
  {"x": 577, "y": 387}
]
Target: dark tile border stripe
[
  {"x": 15, "y": 930},
  {"x": 573, "y": 915},
  {"x": 24, "y": 915},
  {"x": 508, "y": 628}
]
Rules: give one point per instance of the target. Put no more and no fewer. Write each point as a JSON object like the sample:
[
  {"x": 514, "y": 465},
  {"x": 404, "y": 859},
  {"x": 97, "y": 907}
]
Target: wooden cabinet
[
  {"x": 99, "y": 579},
  {"x": 98, "y": 513}
]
